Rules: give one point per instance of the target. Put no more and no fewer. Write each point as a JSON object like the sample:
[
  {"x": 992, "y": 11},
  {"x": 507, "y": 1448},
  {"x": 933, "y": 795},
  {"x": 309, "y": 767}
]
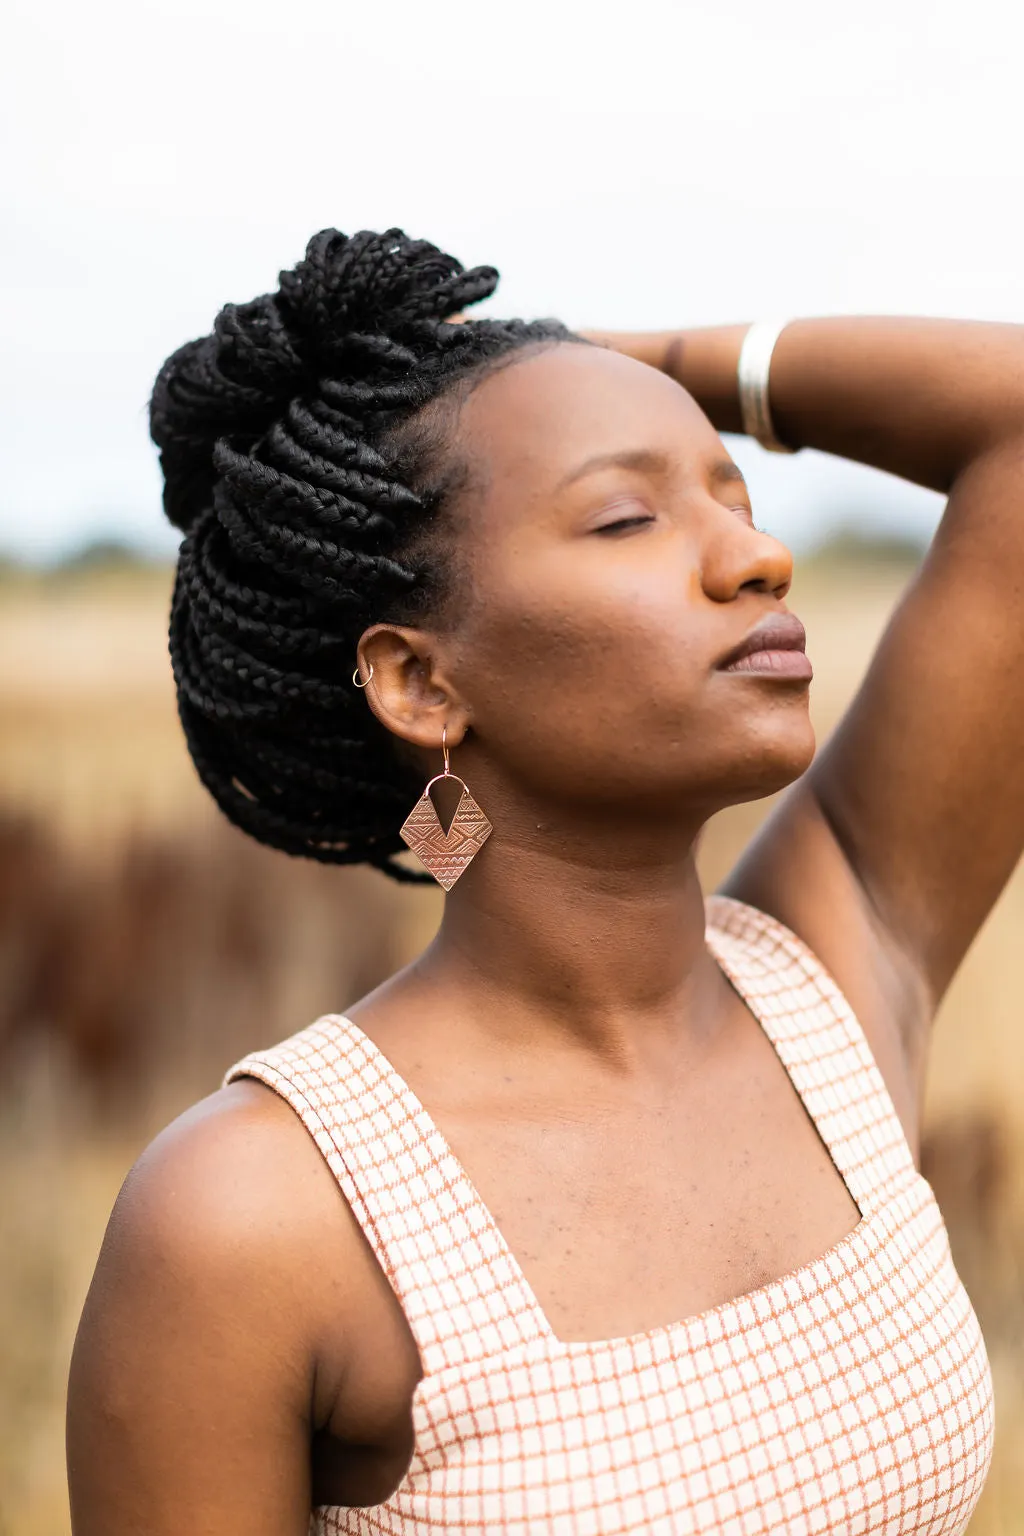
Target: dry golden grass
[{"x": 144, "y": 945}]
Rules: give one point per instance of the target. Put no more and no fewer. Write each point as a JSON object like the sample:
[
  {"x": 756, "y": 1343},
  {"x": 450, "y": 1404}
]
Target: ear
[{"x": 409, "y": 691}]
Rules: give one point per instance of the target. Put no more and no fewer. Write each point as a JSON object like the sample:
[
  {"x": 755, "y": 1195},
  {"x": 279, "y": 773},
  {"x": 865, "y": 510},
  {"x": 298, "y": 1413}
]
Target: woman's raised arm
[{"x": 896, "y": 843}]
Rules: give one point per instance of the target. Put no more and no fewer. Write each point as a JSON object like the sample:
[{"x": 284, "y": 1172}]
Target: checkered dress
[{"x": 852, "y": 1395}]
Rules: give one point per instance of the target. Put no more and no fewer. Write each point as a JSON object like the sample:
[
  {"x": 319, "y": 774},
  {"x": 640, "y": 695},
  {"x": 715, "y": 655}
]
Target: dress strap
[
  {"x": 461, "y": 1290},
  {"x": 821, "y": 1045}
]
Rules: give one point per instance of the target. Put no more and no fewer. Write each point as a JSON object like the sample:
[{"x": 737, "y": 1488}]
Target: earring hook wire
[{"x": 447, "y": 772}]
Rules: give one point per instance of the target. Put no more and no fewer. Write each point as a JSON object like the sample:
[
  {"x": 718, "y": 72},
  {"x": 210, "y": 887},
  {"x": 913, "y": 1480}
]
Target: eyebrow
[
  {"x": 647, "y": 461},
  {"x": 725, "y": 472}
]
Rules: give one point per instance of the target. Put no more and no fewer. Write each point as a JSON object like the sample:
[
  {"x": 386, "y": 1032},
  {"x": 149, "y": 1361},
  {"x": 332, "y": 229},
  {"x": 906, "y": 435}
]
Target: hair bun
[{"x": 346, "y": 313}]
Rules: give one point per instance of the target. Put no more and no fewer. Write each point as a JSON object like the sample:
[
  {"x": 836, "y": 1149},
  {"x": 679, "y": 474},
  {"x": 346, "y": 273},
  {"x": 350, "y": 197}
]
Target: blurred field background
[{"x": 144, "y": 945}]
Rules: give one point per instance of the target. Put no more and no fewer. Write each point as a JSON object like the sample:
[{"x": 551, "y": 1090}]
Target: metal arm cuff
[{"x": 752, "y": 377}]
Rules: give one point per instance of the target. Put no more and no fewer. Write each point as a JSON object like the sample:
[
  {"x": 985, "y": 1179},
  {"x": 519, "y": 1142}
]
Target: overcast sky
[{"x": 638, "y": 165}]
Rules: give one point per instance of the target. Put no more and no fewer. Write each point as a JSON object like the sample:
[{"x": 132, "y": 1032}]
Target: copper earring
[{"x": 447, "y": 855}]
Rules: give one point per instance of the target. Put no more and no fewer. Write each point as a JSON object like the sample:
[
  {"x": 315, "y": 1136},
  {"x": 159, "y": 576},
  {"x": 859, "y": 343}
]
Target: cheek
[
  {"x": 558, "y": 662},
  {"x": 594, "y": 678},
  {"x": 592, "y": 600}
]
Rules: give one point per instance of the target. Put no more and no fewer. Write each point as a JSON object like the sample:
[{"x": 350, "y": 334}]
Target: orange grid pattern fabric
[{"x": 852, "y": 1395}]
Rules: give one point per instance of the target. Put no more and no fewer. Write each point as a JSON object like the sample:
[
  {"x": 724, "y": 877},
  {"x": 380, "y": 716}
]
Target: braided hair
[{"x": 305, "y": 463}]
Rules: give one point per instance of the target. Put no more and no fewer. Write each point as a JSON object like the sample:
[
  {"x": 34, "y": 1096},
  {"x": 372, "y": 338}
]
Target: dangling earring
[{"x": 447, "y": 855}]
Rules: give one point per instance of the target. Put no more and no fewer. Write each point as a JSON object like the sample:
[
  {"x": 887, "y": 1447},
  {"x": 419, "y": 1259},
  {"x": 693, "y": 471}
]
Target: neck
[{"x": 597, "y": 934}]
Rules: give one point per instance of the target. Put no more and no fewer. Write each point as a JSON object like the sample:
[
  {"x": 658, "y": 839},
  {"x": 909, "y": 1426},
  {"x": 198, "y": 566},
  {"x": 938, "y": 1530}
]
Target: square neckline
[
  {"x": 838, "y": 1255},
  {"x": 858, "y": 1234}
]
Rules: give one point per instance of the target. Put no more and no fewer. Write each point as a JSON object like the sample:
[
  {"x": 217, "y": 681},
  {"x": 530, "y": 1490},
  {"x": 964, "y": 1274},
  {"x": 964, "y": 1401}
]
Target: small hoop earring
[
  {"x": 355, "y": 677},
  {"x": 447, "y": 855}
]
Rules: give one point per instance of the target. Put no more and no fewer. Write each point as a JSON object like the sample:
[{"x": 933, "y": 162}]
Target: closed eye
[
  {"x": 636, "y": 517},
  {"x": 624, "y": 524},
  {"x": 747, "y": 515}
]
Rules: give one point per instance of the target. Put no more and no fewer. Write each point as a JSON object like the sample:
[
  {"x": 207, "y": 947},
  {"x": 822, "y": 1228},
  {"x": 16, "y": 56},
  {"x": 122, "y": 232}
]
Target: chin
[{"x": 772, "y": 759}]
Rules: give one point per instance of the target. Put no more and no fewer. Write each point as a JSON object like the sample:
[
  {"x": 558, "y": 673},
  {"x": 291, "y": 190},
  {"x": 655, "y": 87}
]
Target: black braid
[{"x": 312, "y": 499}]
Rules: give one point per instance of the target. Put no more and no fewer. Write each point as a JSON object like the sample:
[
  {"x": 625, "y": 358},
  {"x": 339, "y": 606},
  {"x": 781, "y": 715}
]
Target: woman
[{"x": 631, "y": 1236}]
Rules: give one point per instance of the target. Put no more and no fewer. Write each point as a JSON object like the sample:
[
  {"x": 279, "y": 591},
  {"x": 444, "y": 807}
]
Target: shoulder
[
  {"x": 236, "y": 1310},
  {"x": 228, "y": 1243},
  {"x": 229, "y": 1302},
  {"x": 236, "y": 1171}
]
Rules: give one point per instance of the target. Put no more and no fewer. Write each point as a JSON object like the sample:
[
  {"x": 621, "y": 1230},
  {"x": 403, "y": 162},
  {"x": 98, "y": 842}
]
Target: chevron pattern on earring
[{"x": 447, "y": 855}]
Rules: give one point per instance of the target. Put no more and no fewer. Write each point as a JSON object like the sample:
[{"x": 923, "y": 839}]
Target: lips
[{"x": 773, "y": 648}]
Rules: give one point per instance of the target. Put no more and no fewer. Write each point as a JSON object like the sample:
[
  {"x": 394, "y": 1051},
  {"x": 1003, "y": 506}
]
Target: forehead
[{"x": 537, "y": 419}]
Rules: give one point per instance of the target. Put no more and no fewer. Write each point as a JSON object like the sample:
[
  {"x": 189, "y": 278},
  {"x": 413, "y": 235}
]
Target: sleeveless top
[{"x": 852, "y": 1395}]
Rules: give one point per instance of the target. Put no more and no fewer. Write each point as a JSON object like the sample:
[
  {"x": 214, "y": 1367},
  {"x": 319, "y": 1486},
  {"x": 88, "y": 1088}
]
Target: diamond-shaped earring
[{"x": 447, "y": 855}]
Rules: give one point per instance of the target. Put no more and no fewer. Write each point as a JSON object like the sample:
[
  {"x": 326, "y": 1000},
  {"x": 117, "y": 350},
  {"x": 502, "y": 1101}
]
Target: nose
[{"x": 738, "y": 558}]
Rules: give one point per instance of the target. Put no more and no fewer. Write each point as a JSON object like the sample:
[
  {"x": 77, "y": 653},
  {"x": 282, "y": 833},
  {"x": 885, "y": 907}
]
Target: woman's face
[{"x": 613, "y": 567}]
